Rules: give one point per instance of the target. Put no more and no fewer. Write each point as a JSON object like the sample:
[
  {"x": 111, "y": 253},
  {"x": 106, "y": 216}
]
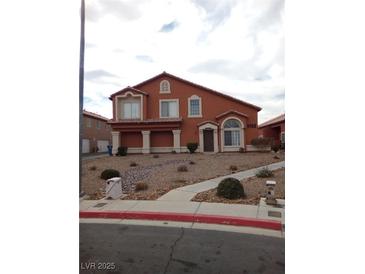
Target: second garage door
[{"x": 102, "y": 145}]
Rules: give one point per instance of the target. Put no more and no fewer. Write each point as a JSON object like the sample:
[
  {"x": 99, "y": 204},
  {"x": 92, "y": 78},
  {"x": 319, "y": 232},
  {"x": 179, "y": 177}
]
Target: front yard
[
  {"x": 254, "y": 189},
  {"x": 161, "y": 175}
]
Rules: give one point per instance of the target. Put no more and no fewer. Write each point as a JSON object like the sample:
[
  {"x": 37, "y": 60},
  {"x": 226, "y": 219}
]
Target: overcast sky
[{"x": 232, "y": 46}]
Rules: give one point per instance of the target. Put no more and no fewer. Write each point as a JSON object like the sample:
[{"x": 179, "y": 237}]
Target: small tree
[{"x": 192, "y": 146}]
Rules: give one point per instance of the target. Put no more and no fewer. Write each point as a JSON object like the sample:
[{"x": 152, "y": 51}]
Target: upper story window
[
  {"x": 88, "y": 122},
  {"x": 129, "y": 106},
  {"x": 131, "y": 110},
  {"x": 165, "y": 86},
  {"x": 194, "y": 106},
  {"x": 169, "y": 108},
  {"x": 98, "y": 124}
]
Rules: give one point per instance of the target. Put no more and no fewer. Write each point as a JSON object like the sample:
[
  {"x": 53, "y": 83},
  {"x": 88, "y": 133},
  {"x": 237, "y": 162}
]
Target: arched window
[
  {"x": 232, "y": 133},
  {"x": 165, "y": 86}
]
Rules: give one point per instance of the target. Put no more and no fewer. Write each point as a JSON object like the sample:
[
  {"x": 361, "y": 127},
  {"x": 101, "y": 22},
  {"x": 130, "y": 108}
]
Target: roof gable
[
  {"x": 231, "y": 111},
  {"x": 165, "y": 74},
  {"x": 132, "y": 89},
  {"x": 94, "y": 115},
  {"x": 272, "y": 121}
]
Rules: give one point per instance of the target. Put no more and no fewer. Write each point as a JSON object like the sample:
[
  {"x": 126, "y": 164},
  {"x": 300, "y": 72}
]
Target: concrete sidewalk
[
  {"x": 186, "y": 193},
  {"x": 258, "y": 212}
]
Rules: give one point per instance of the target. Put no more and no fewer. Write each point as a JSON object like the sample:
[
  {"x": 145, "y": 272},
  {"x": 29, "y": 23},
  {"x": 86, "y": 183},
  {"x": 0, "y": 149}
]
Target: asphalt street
[{"x": 118, "y": 248}]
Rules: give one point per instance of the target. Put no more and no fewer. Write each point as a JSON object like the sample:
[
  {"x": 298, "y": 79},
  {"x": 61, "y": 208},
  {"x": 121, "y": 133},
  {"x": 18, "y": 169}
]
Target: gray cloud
[
  {"x": 123, "y": 10},
  {"x": 99, "y": 73},
  {"x": 169, "y": 27},
  {"x": 144, "y": 58}
]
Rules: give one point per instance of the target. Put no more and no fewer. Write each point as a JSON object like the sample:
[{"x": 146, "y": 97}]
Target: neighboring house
[
  {"x": 95, "y": 133},
  {"x": 275, "y": 129},
  {"x": 164, "y": 113}
]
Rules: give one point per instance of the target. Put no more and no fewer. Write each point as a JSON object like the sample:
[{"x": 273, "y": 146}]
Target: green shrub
[
  {"x": 261, "y": 142},
  {"x": 182, "y": 168},
  {"x": 230, "y": 188},
  {"x": 133, "y": 164},
  {"x": 141, "y": 186},
  {"x": 192, "y": 146},
  {"x": 109, "y": 173},
  {"x": 173, "y": 152},
  {"x": 241, "y": 150},
  {"x": 233, "y": 167},
  {"x": 264, "y": 173},
  {"x": 275, "y": 148},
  {"x": 122, "y": 151}
]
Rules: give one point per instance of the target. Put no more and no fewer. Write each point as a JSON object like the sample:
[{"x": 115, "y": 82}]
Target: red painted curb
[{"x": 183, "y": 217}]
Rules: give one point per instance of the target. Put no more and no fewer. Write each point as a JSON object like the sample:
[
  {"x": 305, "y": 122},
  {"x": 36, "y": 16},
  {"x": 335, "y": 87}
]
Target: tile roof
[
  {"x": 193, "y": 84},
  {"x": 94, "y": 115},
  {"x": 272, "y": 121}
]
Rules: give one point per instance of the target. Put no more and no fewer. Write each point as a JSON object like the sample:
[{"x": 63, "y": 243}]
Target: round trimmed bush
[
  {"x": 182, "y": 168},
  {"x": 192, "y": 147},
  {"x": 230, "y": 188},
  {"x": 109, "y": 173}
]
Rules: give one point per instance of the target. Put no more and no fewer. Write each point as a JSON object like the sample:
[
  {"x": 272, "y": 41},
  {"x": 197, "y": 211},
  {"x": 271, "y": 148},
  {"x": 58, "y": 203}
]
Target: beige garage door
[{"x": 102, "y": 145}]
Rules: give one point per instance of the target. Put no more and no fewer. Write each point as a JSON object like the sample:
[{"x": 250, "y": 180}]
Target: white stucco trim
[
  {"x": 242, "y": 139},
  {"x": 195, "y": 97},
  {"x": 168, "y": 84},
  {"x": 146, "y": 141},
  {"x": 115, "y": 141},
  {"x": 125, "y": 95},
  {"x": 170, "y": 100},
  {"x": 201, "y": 136},
  {"x": 176, "y": 134}
]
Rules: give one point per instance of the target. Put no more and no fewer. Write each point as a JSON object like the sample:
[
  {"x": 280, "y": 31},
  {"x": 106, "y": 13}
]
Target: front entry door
[{"x": 208, "y": 140}]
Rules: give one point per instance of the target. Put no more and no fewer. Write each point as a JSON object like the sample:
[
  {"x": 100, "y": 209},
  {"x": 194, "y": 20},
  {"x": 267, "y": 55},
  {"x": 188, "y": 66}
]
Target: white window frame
[
  {"x": 168, "y": 87},
  {"x": 242, "y": 135},
  {"x": 131, "y": 103},
  {"x": 120, "y": 98},
  {"x": 195, "y": 97},
  {"x": 170, "y": 100}
]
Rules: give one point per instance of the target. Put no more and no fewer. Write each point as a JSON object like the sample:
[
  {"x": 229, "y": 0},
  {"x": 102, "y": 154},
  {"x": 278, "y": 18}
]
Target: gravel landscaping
[
  {"x": 254, "y": 189},
  {"x": 161, "y": 174}
]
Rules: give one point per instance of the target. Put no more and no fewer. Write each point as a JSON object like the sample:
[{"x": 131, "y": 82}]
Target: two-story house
[
  {"x": 164, "y": 113},
  {"x": 95, "y": 132}
]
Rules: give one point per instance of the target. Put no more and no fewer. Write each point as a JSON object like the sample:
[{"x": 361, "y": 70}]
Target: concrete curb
[{"x": 184, "y": 217}]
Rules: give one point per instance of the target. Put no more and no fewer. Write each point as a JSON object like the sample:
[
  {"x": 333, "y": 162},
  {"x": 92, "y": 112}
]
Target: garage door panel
[
  {"x": 102, "y": 145},
  {"x": 85, "y": 145}
]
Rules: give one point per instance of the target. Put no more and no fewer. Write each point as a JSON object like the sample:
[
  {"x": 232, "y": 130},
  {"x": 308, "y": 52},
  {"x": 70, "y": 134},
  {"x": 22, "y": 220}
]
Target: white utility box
[
  {"x": 270, "y": 192},
  {"x": 113, "y": 188}
]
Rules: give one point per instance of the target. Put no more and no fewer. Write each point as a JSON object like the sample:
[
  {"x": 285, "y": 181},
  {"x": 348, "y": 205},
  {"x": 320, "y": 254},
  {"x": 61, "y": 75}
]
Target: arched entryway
[
  {"x": 232, "y": 134},
  {"x": 208, "y": 137}
]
